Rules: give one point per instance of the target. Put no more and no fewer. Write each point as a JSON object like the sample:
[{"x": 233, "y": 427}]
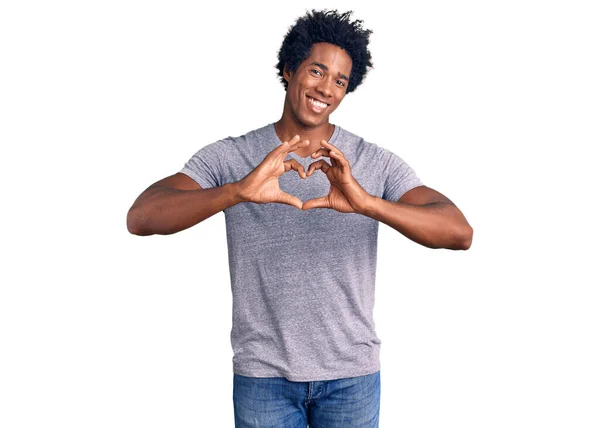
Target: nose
[{"x": 324, "y": 88}]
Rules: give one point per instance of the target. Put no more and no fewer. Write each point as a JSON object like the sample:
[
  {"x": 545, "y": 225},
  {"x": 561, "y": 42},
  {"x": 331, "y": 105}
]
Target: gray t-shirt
[{"x": 303, "y": 282}]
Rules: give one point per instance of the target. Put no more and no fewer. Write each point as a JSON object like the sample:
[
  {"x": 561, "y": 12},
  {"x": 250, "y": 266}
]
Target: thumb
[
  {"x": 286, "y": 198},
  {"x": 322, "y": 202}
]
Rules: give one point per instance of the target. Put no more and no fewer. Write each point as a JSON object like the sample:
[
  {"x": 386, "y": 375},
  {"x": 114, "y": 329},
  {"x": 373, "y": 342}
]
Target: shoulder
[
  {"x": 360, "y": 146},
  {"x": 239, "y": 141}
]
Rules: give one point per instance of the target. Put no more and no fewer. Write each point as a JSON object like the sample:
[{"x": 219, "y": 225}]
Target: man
[{"x": 303, "y": 279}]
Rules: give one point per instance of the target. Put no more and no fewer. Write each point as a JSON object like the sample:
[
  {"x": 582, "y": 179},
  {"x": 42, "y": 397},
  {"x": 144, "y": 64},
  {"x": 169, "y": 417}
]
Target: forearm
[
  {"x": 435, "y": 225},
  {"x": 164, "y": 211}
]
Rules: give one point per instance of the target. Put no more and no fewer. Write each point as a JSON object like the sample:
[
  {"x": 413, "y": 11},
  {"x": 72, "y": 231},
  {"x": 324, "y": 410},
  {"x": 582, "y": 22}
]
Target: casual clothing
[
  {"x": 303, "y": 282},
  {"x": 276, "y": 402}
]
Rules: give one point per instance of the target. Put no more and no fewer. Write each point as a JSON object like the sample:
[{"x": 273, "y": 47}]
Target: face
[{"x": 320, "y": 79}]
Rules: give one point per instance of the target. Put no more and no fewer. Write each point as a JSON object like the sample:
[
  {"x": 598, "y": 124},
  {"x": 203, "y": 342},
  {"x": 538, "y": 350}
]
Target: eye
[
  {"x": 341, "y": 83},
  {"x": 316, "y": 71}
]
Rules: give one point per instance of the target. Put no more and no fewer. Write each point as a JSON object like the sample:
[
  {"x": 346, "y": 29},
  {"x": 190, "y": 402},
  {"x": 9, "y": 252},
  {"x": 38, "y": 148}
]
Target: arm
[
  {"x": 424, "y": 216},
  {"x": 176, "y": 203}
]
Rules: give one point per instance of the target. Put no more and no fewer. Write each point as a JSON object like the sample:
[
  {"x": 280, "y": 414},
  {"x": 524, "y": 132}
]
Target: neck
[{"x": 286, "y": 129}]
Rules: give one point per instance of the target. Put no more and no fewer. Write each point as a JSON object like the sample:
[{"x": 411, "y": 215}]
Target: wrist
[
  {"x": 236, "y": 191},
  {"x": 368, "y": 206}
]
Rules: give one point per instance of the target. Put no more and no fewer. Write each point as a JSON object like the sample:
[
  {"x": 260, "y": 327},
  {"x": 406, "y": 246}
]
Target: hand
[
  {"x": 261, "y": 185},
  {"x": 345, "y": 194}
]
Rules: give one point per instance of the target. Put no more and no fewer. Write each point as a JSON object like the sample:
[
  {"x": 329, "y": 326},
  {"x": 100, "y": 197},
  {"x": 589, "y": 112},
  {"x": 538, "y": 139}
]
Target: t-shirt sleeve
[
  {"x": 398, "y": 177},
  {"x": 206, "y": 165}
]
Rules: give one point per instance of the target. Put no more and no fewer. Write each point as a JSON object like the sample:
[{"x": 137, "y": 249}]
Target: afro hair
[{"x": 328, "y": 27}]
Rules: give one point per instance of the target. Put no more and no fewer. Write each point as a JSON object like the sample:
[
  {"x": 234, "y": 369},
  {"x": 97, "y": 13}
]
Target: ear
[{"x": 287, "y": 74}]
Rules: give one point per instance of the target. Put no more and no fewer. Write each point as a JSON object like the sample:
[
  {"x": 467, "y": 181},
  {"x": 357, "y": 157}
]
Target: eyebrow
[{"x": 324, "y": 67}]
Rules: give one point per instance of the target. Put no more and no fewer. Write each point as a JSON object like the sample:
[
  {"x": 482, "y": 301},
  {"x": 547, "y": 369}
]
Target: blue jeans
[{"x": 275, "y": 402}]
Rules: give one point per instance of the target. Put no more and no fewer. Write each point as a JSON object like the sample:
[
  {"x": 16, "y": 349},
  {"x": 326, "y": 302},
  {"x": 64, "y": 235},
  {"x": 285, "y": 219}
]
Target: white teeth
[{"x": 317, "y": 103}]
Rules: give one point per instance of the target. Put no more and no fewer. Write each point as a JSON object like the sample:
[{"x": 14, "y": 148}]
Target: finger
[
  {"x": 299, "y": 144},
  {"x": 340, "y": 160},
  {"x": 321, "y": 202},
  {"x": 283, "y": 147},
  {"x": 320, "y": 164},
  {"x": 292, "y": 140},
  {"x": 320, "y": 152},
  {"x": 330, "y": 146},
  {"x": 286, "y": 198},
  {"x": 296, "y": 166},
  {"x": 292, "y": 144},
  {"x": 282, "y": 154}
]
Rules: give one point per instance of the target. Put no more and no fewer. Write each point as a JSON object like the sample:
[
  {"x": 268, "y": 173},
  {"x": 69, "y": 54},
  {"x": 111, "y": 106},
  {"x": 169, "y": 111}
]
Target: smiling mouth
[{"x": 316, "y": 106}]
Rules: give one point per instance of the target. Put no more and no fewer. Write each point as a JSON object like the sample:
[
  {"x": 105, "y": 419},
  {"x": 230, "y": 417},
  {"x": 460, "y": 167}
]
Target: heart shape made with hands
[
  {"x": 339, "y": 176},
  {"x": 292, "y": 165},
  {"x": 345, "y": 194}
]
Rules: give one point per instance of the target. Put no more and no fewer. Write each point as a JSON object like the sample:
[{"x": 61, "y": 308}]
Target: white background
[{"x": 495, "y": 104}]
